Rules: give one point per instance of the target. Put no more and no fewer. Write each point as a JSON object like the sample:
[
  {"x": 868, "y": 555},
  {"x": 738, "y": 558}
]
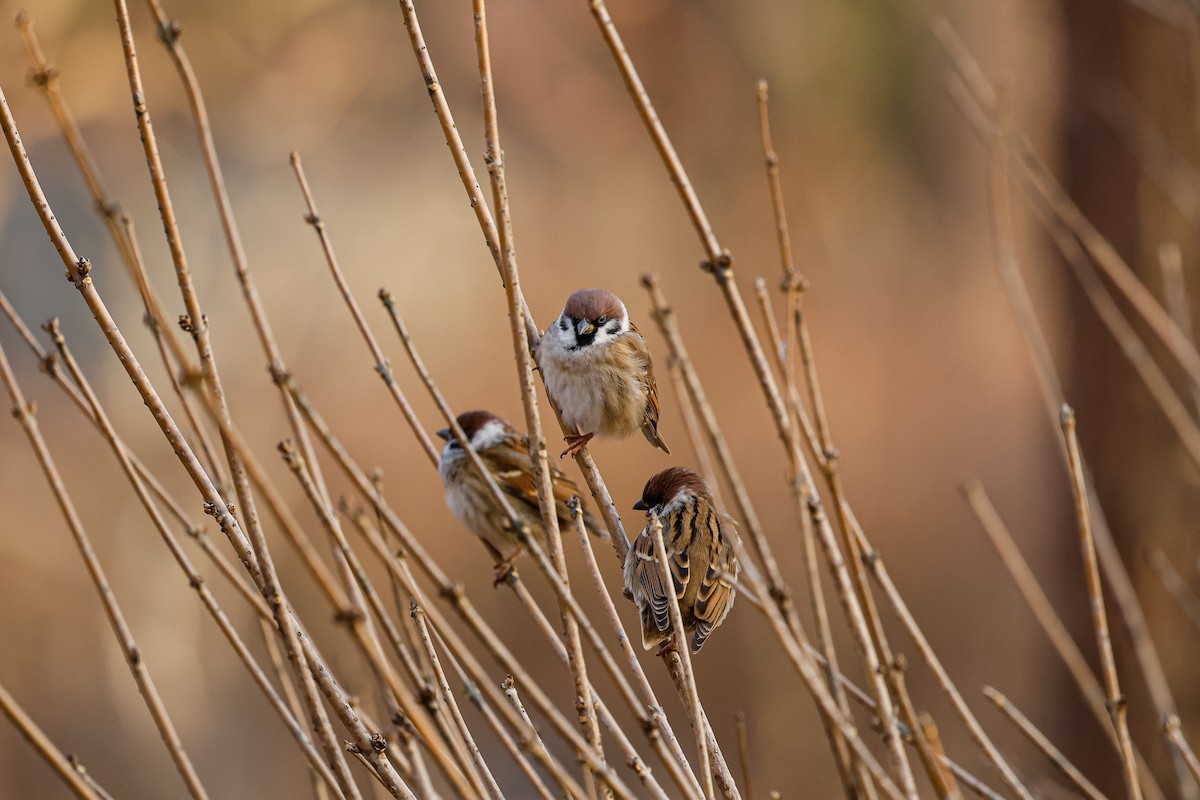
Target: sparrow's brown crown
[
  {"x": 663, "y": 487},
  {"x": 592, "y": 304},
  {"x": 472, "y": 421}
]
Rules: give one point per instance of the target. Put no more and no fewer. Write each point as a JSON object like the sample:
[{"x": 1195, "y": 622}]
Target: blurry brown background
[{"x": 925, "y": 375}]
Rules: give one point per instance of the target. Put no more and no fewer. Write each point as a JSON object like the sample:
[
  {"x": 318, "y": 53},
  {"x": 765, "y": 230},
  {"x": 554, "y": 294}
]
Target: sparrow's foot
[
  {"x": 504, "y": 572},
  {"x": 575, "y": 443},
  {"x": 666, "y": 647}
]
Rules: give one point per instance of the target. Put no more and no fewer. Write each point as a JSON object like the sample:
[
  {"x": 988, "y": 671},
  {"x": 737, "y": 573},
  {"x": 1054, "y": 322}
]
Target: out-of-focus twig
[
  {"x": 1117, "y": 706},
  {"x": 1069, "y": 770}
]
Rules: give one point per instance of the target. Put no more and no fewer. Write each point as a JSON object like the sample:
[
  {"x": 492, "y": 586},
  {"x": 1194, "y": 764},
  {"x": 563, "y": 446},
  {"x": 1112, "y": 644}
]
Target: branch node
[
  {"x": 721, "y": 267},
  {"x": 169, "y": 33},
  {"x": 42, "y": 78},
  {"x": 49, "y": 364},
  {"x": 348, "y": 616},
  {"x": 869, "y": 560}
]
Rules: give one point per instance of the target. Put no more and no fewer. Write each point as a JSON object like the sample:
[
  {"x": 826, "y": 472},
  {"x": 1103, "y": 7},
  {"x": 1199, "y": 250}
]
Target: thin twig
[
  {"x": 1175, "y": 297},
  {"x": 1175, "y": 585},
  {"x": 1068, "y": 770},
  {"x": 72, "y": 776},
  {"x": 1076, "y": 663},
  {"x": 1174, "y": 733},
  {"x": 509, "y": 687},
  {"x": 497, "y": 726},
  {"x": 382, "y": 365},
  {"x": 744, "y": 755},
  {"x": 1117, "y": 705}
]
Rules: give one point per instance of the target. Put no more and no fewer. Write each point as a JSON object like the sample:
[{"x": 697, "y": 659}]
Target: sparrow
[
  {"x": 701, "y": 545},
  {"x": 505, "y": 453},
  {"x": 597, "y": 371}
]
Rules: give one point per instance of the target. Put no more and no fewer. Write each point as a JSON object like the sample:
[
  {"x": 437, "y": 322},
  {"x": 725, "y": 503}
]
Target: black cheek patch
[
  {"x": 562, "y": 324},
  {"x": 614, "y": 327}
]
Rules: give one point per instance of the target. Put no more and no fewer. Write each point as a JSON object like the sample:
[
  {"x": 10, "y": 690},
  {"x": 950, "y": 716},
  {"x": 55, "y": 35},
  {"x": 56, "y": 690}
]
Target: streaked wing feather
[
  {"x": 646, "y": 378},
  {"x": 647, "y": 587},
  {"x": 716, "y": 592}
]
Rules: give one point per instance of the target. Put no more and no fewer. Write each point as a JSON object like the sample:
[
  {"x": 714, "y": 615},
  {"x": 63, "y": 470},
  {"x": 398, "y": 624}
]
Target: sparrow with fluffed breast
[
  {"x": 597, "y": 371},
  {"x": 505, "y": 453},
  {"x": 701, "y": 547}
]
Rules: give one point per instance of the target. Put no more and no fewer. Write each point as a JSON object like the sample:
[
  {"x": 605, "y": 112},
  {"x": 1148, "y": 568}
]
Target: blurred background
[{"x": 925, "y": 375}]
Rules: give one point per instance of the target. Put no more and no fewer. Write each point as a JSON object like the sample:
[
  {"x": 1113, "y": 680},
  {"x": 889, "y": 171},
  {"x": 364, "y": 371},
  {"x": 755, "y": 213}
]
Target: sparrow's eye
[{"x": 600, "y": 320}]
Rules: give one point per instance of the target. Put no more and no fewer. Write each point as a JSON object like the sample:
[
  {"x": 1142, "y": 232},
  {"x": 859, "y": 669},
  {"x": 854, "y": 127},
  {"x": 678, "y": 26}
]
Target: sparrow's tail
[{"x": 650, "y": 430}]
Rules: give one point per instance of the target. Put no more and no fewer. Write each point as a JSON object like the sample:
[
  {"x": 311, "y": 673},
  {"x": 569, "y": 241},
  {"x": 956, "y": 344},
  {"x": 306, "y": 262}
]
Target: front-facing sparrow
[
  {"x": 597, "y": 370},
  {"x": 505, "y": 453},
  {"x": 701, "y": 547}
]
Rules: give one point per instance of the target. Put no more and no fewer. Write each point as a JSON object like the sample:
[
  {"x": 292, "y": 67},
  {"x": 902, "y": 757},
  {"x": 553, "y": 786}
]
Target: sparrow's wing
[
  {"x": 512, "y": 465},
  {"x": 647, "y": 587},
  {"x": 716, "y": 592},
  {"x": 646, "y": 378}
]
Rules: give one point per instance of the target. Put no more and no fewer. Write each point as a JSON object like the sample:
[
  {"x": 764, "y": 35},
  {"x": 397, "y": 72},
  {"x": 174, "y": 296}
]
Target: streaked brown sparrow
[
  {"x": 597, "y": 370},
  {"x": 701, "y": 546},
  {"x": 505, "y": 452}
]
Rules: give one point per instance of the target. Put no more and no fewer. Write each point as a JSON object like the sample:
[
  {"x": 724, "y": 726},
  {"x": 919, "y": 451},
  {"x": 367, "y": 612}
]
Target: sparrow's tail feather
[{"x": 651, "y": 433}]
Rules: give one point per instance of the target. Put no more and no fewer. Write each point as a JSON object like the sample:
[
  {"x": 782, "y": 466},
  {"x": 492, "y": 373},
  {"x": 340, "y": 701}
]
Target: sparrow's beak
[
  {"x": 445, "y": 434},
  {"x": 641, "y": 505},
  {"x": 584, "y": 327}
]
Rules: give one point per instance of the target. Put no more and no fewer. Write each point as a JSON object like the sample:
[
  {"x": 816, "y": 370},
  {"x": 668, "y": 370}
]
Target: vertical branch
[
  {"x": 719, "y": 263},
  {"x": 677, "y": 762},
  {"x": 481, "y": 776},
  {"x": 1117, "y": 705},
  {"x": 679, "y": 643},
  {"x": 802, "y": 491},
  {"x": 519, "y": 323},
  {"x": 1070, "y": 654},
  {"x": 664, "y": 316}
]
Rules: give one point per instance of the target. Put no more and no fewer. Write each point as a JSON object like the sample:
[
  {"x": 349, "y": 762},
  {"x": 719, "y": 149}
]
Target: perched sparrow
[
  {"x": 701, "y": 551},
  {"x": 597, "y": 371},
  {"x": 505, "y": 452}
]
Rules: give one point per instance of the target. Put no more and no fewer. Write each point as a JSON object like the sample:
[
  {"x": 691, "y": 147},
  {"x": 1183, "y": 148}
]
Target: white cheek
[{"x": 492, "y": 433}]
